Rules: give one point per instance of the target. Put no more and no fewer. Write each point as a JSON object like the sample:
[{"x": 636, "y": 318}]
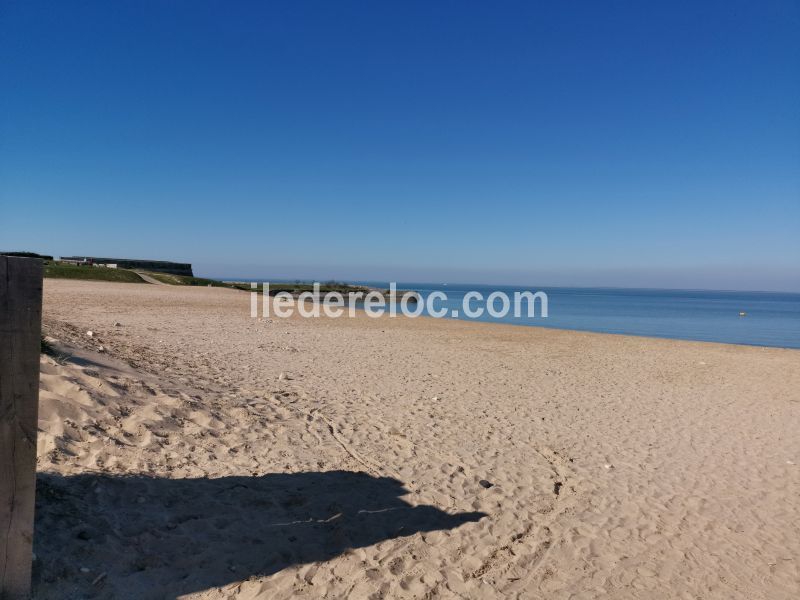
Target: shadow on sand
[{"x": 159, "y": 538}]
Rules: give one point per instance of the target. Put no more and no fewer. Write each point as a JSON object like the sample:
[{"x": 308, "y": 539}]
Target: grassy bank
[
  {"x": 274, "y": 288},
  {"x": 184, "y": 280},
  {"x": 62, "y": 271}
]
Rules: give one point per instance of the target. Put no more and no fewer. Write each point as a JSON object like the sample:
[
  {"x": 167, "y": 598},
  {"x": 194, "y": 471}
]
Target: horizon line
[{"x": 498, "y": 285}]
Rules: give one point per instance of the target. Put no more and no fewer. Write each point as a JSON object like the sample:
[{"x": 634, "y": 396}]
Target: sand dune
[{"x": 205, "y": 454}]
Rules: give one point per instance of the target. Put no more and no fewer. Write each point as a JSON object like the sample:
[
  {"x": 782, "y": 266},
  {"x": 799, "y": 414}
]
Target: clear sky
[{"x": 567, "y": 143}]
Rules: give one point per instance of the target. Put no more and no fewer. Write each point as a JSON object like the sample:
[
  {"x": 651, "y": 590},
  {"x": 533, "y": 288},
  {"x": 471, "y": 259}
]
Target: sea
[{"x": 731, "y": 317}]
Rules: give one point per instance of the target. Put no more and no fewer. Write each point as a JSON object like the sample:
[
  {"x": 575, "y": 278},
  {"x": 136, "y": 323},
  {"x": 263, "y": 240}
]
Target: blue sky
[{"x": 559, "y": 143}]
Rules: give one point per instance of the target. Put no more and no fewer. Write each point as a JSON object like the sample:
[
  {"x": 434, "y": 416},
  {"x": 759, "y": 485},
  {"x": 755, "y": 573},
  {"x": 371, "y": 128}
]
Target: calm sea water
[{"x": 773, "y": 319}]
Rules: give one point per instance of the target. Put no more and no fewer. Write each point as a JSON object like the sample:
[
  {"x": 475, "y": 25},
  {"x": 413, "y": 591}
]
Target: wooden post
[{"x": 20, "y": 345}]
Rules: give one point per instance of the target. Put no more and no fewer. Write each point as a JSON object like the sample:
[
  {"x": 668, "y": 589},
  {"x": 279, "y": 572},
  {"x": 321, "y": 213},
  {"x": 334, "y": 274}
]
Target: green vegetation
[
  {"x": 170, "y": 279},
  {"x": 299, "y": 288},
  {"x": 274, "y": 288},
  {"x": 64, "y": 271},
  {"x": 294, "y": 289}
]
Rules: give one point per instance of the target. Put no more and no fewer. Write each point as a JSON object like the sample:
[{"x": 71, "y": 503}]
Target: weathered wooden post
[{"x": 20, "y": 345}]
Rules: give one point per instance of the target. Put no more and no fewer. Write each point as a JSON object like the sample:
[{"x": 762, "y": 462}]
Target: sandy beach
[{"x": 187, "y": 450}]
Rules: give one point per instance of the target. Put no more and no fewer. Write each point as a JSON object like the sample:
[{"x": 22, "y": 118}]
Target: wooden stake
[{"x": 20, "y": 346}]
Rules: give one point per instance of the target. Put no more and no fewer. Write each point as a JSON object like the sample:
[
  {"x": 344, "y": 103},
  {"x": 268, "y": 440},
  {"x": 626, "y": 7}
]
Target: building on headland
[{"x": 159, "y": 266}]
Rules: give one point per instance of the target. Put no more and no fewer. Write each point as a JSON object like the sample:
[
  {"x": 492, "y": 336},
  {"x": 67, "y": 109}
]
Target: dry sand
[{"x": 206, "y": 454}]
